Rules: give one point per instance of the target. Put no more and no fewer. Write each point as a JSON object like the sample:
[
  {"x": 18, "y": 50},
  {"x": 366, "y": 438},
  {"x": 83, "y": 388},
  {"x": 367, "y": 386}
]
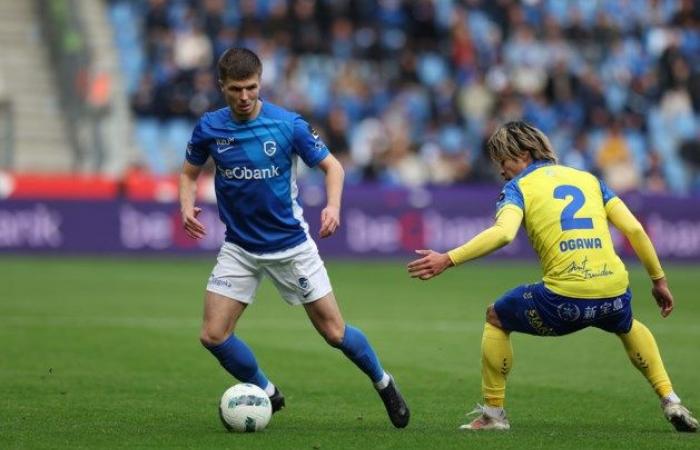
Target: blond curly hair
[{"x": 514, "y": 139}]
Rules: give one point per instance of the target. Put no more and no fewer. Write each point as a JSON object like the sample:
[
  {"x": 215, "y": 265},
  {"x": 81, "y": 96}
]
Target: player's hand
[
  {"x": 663, "y": 296},
  {"x": 430, "y": 265},
  {"x": 192, "y": 226},
  {"x": 330, "y": 221}
]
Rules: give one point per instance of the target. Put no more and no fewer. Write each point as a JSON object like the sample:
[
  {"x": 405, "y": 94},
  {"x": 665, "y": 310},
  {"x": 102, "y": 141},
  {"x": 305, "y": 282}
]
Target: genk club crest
[
  {"x": 303, "y": 283},
  {"x": 269, "y": 147}
]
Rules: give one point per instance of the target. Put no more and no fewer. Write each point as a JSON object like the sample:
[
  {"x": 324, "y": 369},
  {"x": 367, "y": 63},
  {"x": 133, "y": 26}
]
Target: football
[{"x": 245, "y": 408}]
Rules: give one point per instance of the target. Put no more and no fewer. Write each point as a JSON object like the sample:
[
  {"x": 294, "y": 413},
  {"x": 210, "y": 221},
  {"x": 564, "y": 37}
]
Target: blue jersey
[{"x": 255, "y": 179}]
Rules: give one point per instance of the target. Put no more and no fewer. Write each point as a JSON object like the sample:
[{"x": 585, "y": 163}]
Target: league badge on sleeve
[
  {"x": 314, "y": 133},
  {"x": 319, "y": 144},
  {"x": 501, "y": 197}
]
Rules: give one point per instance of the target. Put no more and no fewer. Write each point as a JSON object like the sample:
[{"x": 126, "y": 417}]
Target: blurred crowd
[{"x": 406, "y": 92}]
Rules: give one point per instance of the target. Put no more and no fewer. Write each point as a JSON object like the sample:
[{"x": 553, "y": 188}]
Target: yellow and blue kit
[{"x": 565, "y": 212}]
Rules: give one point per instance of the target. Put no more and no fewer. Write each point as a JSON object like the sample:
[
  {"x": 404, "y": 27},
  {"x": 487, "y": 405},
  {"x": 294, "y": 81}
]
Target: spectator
[
  {"x": 614, "y": 160},
  {"x": 446, "y": 71}
]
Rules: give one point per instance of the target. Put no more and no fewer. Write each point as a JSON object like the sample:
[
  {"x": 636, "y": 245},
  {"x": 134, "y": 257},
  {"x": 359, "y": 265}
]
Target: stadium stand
[
  {"x": 406, "y": 92},
  {"x": 107, "y": 98},
  {"x": 34, "y": 136},
  {"x": 98, "y": 98}
]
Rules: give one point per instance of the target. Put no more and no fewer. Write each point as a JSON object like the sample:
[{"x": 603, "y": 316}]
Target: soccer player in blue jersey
[
  {"x": 255, "y": 146},
  {"x": 566, "y": 213}
]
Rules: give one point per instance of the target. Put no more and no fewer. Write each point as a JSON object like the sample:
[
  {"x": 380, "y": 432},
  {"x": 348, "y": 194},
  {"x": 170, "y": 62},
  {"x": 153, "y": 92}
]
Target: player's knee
[
  {"x": 210, "y": 337},
  {"x": 492, "y": 317},
  {"x": 333, "y": 333}
]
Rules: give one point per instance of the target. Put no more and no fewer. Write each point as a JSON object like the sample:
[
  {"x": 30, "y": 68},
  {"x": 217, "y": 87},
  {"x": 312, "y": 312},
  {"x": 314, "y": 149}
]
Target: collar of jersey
[
  {"x": 233, "y": 120},
  {"x": 533, "y": 166}
]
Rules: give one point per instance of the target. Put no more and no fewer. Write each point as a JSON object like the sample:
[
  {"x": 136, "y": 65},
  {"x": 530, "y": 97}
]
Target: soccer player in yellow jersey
[{"x": 566, "y": 214}]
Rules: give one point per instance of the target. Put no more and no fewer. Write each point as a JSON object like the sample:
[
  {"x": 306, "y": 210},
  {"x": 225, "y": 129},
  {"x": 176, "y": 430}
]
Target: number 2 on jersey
[{"x": 568, "y": 221}]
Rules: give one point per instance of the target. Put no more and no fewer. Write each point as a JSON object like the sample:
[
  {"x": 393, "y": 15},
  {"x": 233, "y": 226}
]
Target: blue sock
[
  {"x": 357, "y": 349},
  {"x": 237, "y": 358}
]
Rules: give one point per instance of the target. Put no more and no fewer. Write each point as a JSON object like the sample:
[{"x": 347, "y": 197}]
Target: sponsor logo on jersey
[
  {"x": 223, "y": 144},
  {"x": 245, "y": 173}
]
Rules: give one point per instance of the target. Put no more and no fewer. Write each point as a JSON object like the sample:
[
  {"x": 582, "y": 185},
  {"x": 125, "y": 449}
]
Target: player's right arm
[
  {"x": 188, "y": 193},
  {"x": 502, "y": 232},
  {"x": 499, "y": 235},
  {"x": 510, "y": 208},
  {"x": 195, "y": 157},
  {"x": 623, "y": 219}
]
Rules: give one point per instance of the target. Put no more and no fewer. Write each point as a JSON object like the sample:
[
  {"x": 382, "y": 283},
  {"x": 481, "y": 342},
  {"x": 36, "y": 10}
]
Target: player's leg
[
  {"x": 301, "y": 279},
  {"x": 644, "y": 353},
  {"x": 231, "y": 287},
  {"x": 615, "y": 316},
  {"x": 496, "y": 362},
  {"x": 220, "y": 317},
  {"x": 326, "y": 318},
  {"x": 521, "y": 309}
]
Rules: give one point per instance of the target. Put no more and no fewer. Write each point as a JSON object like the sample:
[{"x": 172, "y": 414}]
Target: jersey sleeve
[
  {"x": 625, "y": 221},
  {"x": 501, "y": 233},
  {"x": 608, "y": 193},
  {"x": 197, "y": 147},
  {"x": 510, "y": 195},
  {"x": 307, "y": 143}
]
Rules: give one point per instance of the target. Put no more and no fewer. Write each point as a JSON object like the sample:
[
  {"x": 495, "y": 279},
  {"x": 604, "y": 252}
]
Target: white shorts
[{"x": 298, "y": 273}]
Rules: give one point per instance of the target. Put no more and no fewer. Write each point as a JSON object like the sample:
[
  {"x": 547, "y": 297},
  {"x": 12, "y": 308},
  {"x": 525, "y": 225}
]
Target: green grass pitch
[{"x": 104, "y": 353}]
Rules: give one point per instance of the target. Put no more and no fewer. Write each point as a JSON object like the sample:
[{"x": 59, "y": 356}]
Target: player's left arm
[
  {"x": 330, "y": 216},
  {"x": 623, "y": 219},
  {"x": 314, "y": 152},
  {"x": 503, "y": 232}
]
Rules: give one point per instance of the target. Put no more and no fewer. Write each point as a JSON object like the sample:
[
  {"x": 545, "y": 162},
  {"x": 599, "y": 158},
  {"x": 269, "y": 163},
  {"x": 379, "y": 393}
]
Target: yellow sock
[
  {"x": 644, "y": 354},
  {"x": 496, "y": 361}
]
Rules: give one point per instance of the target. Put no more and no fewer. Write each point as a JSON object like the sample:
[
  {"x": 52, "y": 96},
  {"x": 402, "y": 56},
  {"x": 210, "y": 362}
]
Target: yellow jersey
[{"x": 566, "y": 222}]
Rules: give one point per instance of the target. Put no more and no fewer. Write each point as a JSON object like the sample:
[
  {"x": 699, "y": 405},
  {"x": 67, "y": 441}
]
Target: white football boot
[
  {"x": 679, "y": 416},
  {"x": 486, "y": 420}
]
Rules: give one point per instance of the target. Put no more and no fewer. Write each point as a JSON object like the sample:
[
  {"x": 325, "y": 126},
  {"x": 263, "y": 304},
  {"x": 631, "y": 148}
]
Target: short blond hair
[{"x": 513, "y": 139}]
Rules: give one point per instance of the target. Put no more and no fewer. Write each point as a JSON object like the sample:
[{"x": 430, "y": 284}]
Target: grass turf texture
[{"x": 104, "y": 353}]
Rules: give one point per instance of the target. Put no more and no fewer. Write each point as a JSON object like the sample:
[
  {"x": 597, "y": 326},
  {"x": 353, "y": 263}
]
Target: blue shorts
[{"x": 534, "y": 309}]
